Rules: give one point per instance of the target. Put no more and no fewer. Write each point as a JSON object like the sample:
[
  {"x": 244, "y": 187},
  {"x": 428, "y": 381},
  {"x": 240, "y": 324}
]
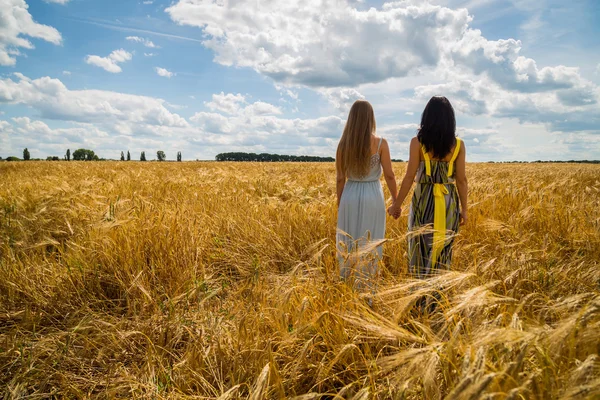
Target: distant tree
[
  {"x": 143, "y": 156},
  {"x": 128, "y": 156},
  {"x": 178, "y": 156},
  {"x": 122, "y": 156},
  {"x": 68, "y": 155},
  {"x": 26, "y": 155},
  {"x": 84, "y": 155},
  {"x": 13, "y": 158},
  {"x": 161, "y": 155},
  {"x": 79, "y": 155}
]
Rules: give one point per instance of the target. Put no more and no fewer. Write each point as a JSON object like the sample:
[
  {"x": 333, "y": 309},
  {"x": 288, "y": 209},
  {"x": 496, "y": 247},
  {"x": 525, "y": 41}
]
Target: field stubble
[{"x": 220, "y": 280}]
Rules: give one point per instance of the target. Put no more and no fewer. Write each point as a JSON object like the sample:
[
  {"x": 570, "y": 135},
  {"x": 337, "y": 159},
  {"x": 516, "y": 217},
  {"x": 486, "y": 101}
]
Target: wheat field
[{"x": 220, "y": 280}]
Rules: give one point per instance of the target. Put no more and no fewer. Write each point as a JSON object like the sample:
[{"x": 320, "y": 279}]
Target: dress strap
[
  {"x": 379, "y": 146},
  {"x": 427, "y": 161},
  {"x": 454, "y": 155}
]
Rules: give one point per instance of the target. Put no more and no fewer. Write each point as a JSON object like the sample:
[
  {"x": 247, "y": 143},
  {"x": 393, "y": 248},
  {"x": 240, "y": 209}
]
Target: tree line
[
  {"x": 88, "y": 155},
  {"x": 266, "y": 157}
]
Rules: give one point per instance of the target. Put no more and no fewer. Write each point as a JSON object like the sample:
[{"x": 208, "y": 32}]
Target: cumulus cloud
[
  {"x": 111, "y": 62},
  {"x": 163, "y": 72},
  {"x": 105, "y": 120},
  {"x": 144, "y": 41},
  {"x": 16, "y": 22},
  {"x": 253, "y": 127},
  {"x": 502, "y": 62},
  {"x": 569, "y": 109},
  {"x": 342, "y": 99},
  {"x": 330, "y": 46},
  {"x": 323, "y": 44},
  {"x": 63, "y": 2},
  {"x": 42, "y": 140},
  {"x": 261, "y": 118},
  {"x": 262, "y": 108},
  {"x": 228, "y": 103},
  {"x": 124, "y": 113},
  {"x": 333, "y": 44}
]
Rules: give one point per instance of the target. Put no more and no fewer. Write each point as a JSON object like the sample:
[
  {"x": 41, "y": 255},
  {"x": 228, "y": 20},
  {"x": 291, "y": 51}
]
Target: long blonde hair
[{"x": 354, "y": 149}]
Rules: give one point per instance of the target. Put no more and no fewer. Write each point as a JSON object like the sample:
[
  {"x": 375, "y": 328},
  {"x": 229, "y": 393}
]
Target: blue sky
[{"x": 205, "y": 76}]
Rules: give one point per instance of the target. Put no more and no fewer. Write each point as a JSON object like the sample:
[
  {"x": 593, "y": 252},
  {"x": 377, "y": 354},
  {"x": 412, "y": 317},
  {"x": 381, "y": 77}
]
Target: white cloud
[
  {"x": 43, "y": 140},
  {"x": 145, "y": 42},
  {"x": 258, "y": 124},
  {"x": 109, "y": 122},
  {"x": 163, "y": 72},
  {"x": 292, "y": 94},
  {"x": 323, "y": 44},
  {"x": 120, "y": 112},
  {"x": 66, "y": 73},
  {"x": 284, "y": 91},
  {"x": 16, "y": 22},
  {"x": 228, "y": 103},
  {"x": 334, "y": 45},
  {"x": 63, "y": 2},
  {"x": 110, "y": 63},
  {"x": 342, "y": 99},
  {"x": 598, "y": 69},
  {"x": 262, "y": 108},
  {"x": 252, "y": 128},
  {"x": 149, "y": 54},
  {"x": 569, "y": 109},
  {"x": 148, "y": 2}
]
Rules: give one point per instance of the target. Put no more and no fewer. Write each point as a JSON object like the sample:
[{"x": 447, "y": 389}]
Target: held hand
[
  {"x": 394, "y": 210},
  {"x": 463, "y": 217}
]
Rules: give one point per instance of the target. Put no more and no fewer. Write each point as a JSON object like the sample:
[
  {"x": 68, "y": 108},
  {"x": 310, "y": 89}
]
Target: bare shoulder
[{"x": 414, "y": 142}]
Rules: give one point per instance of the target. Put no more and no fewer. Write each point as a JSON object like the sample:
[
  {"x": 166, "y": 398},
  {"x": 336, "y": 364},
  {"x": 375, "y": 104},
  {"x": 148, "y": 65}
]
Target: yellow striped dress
[{"x": 434, "y": 216}]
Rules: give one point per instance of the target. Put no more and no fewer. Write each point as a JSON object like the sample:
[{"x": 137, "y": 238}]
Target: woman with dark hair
[{"x": 437, "y": 158}]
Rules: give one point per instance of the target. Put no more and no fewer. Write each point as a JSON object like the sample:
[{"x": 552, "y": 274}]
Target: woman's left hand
[{"x": 394, "y": 210}]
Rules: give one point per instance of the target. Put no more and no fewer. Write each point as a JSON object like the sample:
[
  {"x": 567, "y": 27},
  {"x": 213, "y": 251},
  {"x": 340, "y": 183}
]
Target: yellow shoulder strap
[
  {"x": 427, "y": 161},
  {"x": 454, "y": 155}
]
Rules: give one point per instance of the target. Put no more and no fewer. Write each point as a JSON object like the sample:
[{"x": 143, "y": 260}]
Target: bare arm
[
  {"x": 388, "y": 172},
  {"x": 411, "y": 170},
  {"x": 461, "y": 181},
  {"x": 341, "y": 177}
]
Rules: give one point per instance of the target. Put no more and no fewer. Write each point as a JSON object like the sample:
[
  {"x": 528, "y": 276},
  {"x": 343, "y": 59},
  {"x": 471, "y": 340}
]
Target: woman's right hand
[
  {"x": 463, "y": 217},
  {"x": 394, "y": 210}
]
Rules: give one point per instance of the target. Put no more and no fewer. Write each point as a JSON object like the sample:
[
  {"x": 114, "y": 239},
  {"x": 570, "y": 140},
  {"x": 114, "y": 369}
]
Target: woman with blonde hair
[{"x": 360, "y": 160}]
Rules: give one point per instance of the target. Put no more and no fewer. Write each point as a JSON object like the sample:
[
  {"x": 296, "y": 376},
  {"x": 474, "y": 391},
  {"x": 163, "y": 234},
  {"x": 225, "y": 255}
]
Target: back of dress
[
  {"x": 375, "y": 170},
  {"x": 361, "y": 219},
  {"x": 435, "y": 204}
]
